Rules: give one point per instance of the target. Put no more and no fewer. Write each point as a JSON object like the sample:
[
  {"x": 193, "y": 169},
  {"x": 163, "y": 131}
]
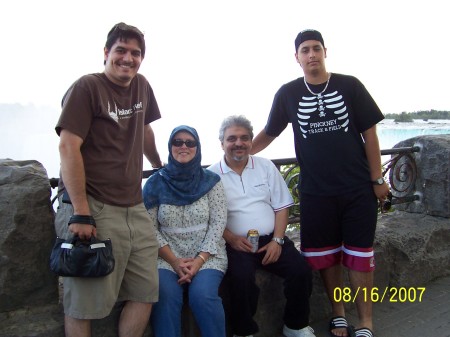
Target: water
[
  {"x": 41, "y": 142},
  {"x": 391, "y": 133}
]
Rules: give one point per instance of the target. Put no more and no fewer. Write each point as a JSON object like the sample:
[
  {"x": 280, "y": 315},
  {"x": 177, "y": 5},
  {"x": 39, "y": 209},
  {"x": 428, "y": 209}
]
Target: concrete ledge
[{"x": 411, "y": 250}]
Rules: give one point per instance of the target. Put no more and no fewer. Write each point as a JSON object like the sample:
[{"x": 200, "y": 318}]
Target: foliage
[
  {"x": 404, "y": 117},
  {"x": 291, "y": 174},
  {"x": 424, "y": 114}
]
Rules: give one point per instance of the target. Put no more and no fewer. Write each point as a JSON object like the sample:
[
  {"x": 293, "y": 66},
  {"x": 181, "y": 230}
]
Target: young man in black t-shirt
[{"x": 334, "y": 123}]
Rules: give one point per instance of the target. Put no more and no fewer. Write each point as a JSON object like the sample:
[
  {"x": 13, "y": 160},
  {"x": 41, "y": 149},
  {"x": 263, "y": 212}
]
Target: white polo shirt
[{"x": 254, "y": 197}]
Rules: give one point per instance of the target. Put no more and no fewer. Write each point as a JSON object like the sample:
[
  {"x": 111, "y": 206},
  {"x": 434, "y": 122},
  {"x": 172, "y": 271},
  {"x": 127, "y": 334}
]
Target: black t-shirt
[{"x": 327, "y": 132}]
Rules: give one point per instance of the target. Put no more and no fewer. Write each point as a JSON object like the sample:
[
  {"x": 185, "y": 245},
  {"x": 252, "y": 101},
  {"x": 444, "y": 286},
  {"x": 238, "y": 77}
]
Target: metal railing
[
  {"x": 400, "y": 168},
  {"x": 402, "y": 171}
]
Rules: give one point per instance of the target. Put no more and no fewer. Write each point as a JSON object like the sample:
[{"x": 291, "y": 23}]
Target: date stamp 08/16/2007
[{"x": 390, "y": 294}]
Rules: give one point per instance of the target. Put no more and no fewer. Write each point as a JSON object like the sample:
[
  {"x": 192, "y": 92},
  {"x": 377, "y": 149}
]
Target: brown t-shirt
[{"x": 110, "y": 119}]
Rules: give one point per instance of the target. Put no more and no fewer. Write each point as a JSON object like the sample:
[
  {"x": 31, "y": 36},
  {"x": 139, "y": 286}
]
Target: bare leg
[
  {"x": 134, "y": 319},
  {"x": 77, "y": 327},
  {"x": 332, "y": 279},
  {"x": 363, "y": 280}
]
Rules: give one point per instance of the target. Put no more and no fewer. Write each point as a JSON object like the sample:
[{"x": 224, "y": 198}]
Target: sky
[{"x": 208, "y": 59}]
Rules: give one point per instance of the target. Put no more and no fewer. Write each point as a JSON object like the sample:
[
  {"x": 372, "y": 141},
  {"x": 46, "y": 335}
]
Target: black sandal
[
  {"x": 363, "y": 332},
  {"x": 339, "y": 322}
]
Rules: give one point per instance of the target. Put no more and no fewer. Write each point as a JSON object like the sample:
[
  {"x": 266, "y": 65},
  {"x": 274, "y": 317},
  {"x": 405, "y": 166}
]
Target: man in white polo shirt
[{"x": 258, "y": 198}]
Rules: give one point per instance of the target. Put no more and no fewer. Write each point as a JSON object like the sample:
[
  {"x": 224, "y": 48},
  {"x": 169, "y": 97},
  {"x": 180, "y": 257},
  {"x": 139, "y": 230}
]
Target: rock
[
  {"x": 413, "y": 248},
  {"x": 433, "y": 175},
  {"x": 33, "y": 321},
  {"x": 26, "y": 236}
]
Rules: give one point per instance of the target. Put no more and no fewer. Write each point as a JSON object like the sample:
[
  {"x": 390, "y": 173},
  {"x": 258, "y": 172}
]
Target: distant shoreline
[{"x": 415, "y": 124}]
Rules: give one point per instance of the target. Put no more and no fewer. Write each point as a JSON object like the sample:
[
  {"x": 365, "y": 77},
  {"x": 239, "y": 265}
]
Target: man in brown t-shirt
[{"x": 104, "y": 131}]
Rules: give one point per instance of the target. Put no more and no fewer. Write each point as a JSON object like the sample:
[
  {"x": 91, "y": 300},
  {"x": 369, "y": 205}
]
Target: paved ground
[{"x": 428, "y": 318}]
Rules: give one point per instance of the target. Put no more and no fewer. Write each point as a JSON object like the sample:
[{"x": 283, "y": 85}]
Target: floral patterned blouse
[{"x": 193, "y": 228}]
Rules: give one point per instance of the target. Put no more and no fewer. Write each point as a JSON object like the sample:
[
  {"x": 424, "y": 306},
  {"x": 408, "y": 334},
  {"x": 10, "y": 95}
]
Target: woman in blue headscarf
[{"x": 190, "y": 206}]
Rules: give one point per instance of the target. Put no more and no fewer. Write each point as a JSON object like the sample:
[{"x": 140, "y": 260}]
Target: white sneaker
[{"x": 305, "y": 332}]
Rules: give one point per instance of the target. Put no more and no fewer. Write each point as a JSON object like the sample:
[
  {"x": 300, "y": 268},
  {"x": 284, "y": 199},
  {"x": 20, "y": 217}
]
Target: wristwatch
[
  {"x": 280, "y": 241},
  {"x": 379, "y": 181}
]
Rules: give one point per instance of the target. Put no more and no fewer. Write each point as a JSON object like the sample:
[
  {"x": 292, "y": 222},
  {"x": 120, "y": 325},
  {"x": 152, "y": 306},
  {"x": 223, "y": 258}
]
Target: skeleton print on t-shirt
[{"x": 322, "y": 113}]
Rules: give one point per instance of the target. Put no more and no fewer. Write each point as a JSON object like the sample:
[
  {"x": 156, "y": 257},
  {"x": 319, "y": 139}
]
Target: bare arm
[
  {"x": 281, "y": 221},
  {"x": 150, "y": 150},
  {"x": 372, "y": 148},
  {"x": 261, "y": 141},
  {"x": 73, "y": 174}
]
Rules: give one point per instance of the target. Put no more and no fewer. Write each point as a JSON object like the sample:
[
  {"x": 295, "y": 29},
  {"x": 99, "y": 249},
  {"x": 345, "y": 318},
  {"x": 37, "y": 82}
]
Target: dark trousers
[{"x": 244, "y": 293}]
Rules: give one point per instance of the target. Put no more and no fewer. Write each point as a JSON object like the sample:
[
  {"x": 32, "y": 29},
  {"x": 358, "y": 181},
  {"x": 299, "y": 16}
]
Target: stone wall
[
  {"x": 28, "y": 290},
  {"x": 433, "y": 175},
  {"x": 26, "y": 236},
  {"x": 411, "y": 249}
]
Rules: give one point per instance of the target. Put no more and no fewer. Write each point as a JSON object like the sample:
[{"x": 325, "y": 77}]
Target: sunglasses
[{"x": 188, "y": 143}]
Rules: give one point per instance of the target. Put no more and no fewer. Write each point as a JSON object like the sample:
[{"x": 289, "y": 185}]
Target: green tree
[{"x": 404, "y": 117}]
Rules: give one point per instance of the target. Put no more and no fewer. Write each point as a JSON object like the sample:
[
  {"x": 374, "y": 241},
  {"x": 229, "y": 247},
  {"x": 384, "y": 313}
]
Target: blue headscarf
[{"x": 179, "y": 183}]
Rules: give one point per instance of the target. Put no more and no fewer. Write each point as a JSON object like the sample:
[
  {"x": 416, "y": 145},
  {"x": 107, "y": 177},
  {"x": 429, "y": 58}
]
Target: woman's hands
[{"x": 186, "y": 268}]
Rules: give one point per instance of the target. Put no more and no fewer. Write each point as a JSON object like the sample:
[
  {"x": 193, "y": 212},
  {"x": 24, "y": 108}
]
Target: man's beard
[{"x": 239, "y": 157}]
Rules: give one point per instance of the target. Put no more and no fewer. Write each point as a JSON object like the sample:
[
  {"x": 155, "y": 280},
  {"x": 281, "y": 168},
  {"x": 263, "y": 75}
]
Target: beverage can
[{"x": 253, "y": 237}]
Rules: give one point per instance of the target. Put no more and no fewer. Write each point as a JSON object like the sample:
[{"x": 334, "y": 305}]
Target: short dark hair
[
  {"x": 123, "y": 32},
  {"x": 235, "y": 120}
]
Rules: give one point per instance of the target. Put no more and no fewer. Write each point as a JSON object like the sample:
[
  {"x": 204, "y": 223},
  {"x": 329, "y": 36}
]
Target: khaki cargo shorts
[{"x": 135, "y": 249}]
